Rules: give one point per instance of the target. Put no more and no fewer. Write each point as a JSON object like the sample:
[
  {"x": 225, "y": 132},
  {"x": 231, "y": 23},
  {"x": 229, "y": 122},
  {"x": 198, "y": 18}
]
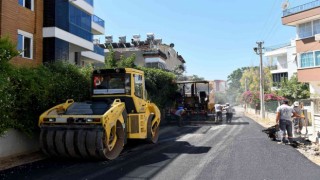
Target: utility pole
[{"x": 258, "y": 50}]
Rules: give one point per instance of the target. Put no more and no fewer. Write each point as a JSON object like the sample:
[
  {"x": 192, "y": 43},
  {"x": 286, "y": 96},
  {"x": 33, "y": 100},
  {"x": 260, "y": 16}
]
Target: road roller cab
[{"x": 118, "y": 110}]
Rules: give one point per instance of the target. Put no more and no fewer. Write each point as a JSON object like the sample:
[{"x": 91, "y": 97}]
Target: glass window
[
  {"x": 316, "y": 27},
  {"x": 305, "y": 30},
  {"x": 24, "y": 45},
  {"x": 317, "y": 58},
  {"x": 20, "y": 42},
  {"x": 138, "y": 86},
  {"x": 306, "y": 59},
  {"x": 26, "y": 3},
  {"x": 21, "y": 2},
  {"x": 27, "y": 47},
  {"x": 80, "y": 23}
]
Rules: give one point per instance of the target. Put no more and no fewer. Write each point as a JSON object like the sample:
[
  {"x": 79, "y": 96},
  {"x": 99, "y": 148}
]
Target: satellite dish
[{"x": 285, "y": 5}]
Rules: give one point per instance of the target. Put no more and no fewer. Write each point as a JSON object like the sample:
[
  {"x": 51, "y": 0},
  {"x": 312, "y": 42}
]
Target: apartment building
[
  {"x": 68, "y": 29},
  {"x": 306, "y": 19},
  {"x": 21, "y": 21},
  {"x": 52, "y": 30},
  {"x": 282, "y": 61},
  {"x": 149, "y": 53},
  {"x": 219, "y": 85}
]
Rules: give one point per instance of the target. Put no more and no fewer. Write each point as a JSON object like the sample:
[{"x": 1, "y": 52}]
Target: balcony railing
[
  {"x": 98, "y": 20},
  {"x": 301, "y": 8},
  {"x": 89, "y": 2},
  {"x": 99, "y": 50},
  {"x": 271, "y": 48}
]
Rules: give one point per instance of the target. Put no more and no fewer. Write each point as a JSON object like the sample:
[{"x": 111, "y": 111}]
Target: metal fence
[{"x": 301, "y": 8}]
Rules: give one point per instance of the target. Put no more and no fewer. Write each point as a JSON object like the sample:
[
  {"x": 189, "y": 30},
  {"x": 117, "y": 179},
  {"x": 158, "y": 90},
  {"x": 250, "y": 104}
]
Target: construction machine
[
  {"x": 99, "y": 129},
  {"x": 193, "y": 97}
]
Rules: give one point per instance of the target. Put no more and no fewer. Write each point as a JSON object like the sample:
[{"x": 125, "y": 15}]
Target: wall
[
  {"x": 172, "y": 61},
  {"x": 14, "y": 143},
  {"x": 292, "y": 60}
]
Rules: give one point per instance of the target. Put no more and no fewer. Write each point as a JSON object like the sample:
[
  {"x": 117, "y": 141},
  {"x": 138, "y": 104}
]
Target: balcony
[
  {"x": 272, "y": 48},
  {"x": 301, "y": 8},
  {"x": 85, "y": 5},
  {"x": 97, "y": 25},
  {"x": 97, "y": 55},
  {"x": 90, "y": 2},
  {"x": 98, "y": 20},
  {"x": 99, "y": 50},
  {"x": 301, "y": 14}
]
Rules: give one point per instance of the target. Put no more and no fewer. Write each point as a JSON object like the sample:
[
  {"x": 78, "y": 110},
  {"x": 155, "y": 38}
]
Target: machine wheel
[
  {"x": 152, "y": 130},
  {"x": 83, "y": 143},
  {"x": 111, "y": 149}
]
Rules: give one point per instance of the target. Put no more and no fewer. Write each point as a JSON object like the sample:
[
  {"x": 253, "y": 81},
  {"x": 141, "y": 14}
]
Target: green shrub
[
  {"x": 160, "y": 86},
  {"x": 28, "y": 92}
]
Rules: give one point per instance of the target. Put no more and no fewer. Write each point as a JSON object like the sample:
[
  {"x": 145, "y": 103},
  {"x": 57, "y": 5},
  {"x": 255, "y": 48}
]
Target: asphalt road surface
[{"x": 237, "y": 151}]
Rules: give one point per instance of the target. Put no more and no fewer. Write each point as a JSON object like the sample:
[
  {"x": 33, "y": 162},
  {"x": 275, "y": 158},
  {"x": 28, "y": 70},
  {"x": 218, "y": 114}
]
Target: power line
[{"x": 266, "y": 22}]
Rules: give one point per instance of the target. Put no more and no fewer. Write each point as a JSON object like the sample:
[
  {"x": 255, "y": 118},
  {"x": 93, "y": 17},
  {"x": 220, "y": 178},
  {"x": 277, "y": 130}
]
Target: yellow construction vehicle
[{"x": 99, "y": 129}]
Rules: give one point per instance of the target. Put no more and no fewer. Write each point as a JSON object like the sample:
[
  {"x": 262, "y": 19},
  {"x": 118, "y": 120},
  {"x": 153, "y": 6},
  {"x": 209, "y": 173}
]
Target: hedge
[{"x": 25, "y": 93}]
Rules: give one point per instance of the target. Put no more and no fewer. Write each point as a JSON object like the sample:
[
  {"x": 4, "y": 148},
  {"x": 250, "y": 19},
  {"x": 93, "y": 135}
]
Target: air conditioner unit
[{"x": 317, "y": 37}]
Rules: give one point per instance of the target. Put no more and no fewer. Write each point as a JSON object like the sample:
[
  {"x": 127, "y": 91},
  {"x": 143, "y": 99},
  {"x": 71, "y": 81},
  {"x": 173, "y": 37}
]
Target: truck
[{"x": 99, "y": 129}]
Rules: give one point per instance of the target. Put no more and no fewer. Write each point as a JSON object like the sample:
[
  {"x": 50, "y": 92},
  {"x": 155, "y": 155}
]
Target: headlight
[{"x": 49, "y": 119}]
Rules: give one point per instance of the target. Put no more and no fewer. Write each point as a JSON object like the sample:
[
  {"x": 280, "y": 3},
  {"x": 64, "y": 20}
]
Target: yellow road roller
[{"x": 99, "y": 128}]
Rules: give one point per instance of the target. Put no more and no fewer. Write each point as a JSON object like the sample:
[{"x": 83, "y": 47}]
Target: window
[
  {"x": 306, "y": 59},
  {"x": 305, "y": 30},
  {"x": 278, "y": 77},
  {"x": 317, "y": 57},
  {"x": 138, "y": 86},
  {"x": 27, "y": 4},
  {"x": 80, "y": 23},
  {"x": 25, "y": 45},
  {"x": 316, "y": 27}
]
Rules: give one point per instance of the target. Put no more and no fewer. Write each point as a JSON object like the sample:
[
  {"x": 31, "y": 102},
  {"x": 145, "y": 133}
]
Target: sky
[{"x": 215, "y": 37}]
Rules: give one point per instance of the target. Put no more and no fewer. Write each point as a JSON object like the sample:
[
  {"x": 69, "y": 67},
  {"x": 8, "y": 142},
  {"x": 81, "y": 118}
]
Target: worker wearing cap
[
  {"x": 283, "y": 119},
  {"x": 297, "y": 121}
]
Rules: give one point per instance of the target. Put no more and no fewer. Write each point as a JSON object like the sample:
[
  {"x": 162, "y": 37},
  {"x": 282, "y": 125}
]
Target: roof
[{"x": 189, "y": 82}]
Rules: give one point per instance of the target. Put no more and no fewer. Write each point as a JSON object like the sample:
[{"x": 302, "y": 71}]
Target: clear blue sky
[{"x": 214, "y": 37}]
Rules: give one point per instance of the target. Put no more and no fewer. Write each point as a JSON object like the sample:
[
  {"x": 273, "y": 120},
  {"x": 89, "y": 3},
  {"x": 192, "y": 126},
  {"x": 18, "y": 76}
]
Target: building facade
[
  {"x": 68, "y": 30},
  {"x": 306, "y": 20},
  {"x": 282, "y": 62},
  {"x": 52, "y": 30},
  {"x": 21, "y": 21},
  {"x": 149, "y": 53}
]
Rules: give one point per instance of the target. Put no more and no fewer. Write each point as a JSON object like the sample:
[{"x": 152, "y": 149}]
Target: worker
[
  {"x": 297, "y": 122},
  {"x": 179, "y": 113},
  {"x": 218, "y": 109},
  {"x": 229, "y": 113},
  {"x": 283, "y": 120}
]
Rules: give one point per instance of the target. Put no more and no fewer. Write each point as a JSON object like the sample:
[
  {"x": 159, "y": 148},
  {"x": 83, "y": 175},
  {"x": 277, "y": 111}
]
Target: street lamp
[{"x": 258, "y": 51}]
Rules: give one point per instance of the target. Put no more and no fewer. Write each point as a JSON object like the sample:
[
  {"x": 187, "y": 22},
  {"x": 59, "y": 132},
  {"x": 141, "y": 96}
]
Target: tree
[
  {"x": 196, "y": 78},
  {"x": 127, "y": 62},
  {"x": 292, "y": 89},
  {"x": 110, "y": 60},
  {"x": 8, "y": 50},
  {"x": 251, "y": 77},
  {"x": 234, "y": 86}
]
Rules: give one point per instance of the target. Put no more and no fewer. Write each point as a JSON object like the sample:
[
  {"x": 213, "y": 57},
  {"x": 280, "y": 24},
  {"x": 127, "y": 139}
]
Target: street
[{"x": 219, "y": 151}]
